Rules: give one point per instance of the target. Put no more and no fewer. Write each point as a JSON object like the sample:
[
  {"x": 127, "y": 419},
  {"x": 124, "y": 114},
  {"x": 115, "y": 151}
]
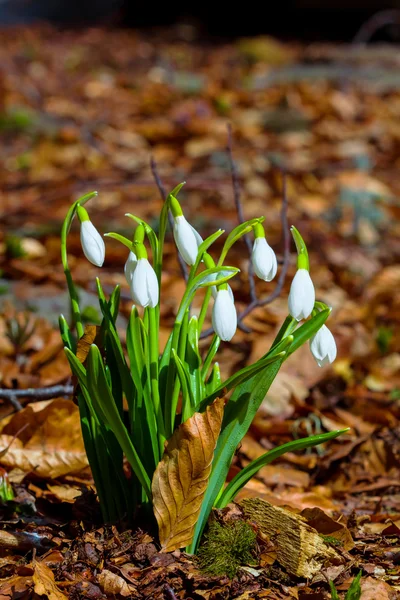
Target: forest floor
[{"x": 85, "y": 110}]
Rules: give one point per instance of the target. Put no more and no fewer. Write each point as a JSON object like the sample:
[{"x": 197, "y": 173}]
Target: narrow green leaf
[
  {"x": 104, "y": 403},
  {"x": 188, "y": 403},
  {"x": 214, "y": 380},
  {"x": 239, "y": 413},
  {"x": 240, "y": 480},
  {"x": 240, "y": 377},
  {"x": 193, "y": 361},
  {"x": 212, "y": 351},
  {"x": 354, "y": 591},
  {"x": 334, "y": 594},
  {"x": 67, "y": 336}
]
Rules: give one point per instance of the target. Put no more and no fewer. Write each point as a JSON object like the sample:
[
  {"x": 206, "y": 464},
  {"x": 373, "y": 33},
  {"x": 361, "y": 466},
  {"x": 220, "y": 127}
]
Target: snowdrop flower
[
  {"x": 301, "y": 295},
  {"x": 264, "y": 260},
  {"x": 224, "y": 317},
  {"x": 187, "y": 239},
  {"x": 214, "y": 291},
  {"x": 302, "y": 292},
  {"x": 130, "y": 266},
  {"x": 323, "y": 346},
  {"x": 92, "y": 243},
  {"x": 144, "y": 284}
]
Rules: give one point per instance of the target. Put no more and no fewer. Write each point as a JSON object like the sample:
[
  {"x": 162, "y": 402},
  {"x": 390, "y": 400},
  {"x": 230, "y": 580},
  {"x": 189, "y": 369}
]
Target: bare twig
[
  {"x": 46, "y": 393},
  {"x": 383, "y": 18},
  {"x": 240, "y": 214},
  {"x": 161, "y": 189}
]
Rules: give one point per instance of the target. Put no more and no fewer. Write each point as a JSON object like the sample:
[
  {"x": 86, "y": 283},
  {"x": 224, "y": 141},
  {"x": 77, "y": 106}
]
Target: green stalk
[
  {"x": 76, "y": 313},
  {"x": 153, "y": 359}
]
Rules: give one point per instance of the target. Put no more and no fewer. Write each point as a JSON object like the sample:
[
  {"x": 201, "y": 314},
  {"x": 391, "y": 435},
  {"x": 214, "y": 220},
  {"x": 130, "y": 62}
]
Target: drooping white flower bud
[
  {"x": 144, "y": 284},
  {"x": 92, "y": 243},
  {"x": 187, "y": 239},
  {"x": 130, "y": 266},
  {"x": 224, "y": 317},
  {"x": 264, "y": 260},
  {"x": 301, "y": 295},
  {"x": 323, "y": 346}
]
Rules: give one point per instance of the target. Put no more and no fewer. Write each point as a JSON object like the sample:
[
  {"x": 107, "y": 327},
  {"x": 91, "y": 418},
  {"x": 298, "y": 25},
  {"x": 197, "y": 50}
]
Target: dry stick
[
  {"x": 161, "y": 189},
  {"x": 239, "y": 210},
  {"x": 46, "y": 393},
  {"x": 377, "y": 21}
]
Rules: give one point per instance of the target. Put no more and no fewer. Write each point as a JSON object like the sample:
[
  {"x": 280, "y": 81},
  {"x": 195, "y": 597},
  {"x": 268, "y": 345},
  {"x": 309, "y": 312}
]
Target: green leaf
[
  {"x": 242, "y": 376},
  {"x": 239, "y": 413},
  {"x": 240, "y": 480},
  {"x": 214, "y": 380},
  {"x": 188, "y": 404},
  {"x": 212, "y": 351},
  {"x": 193, "y": 361},
  {"x": 236, "y": 234},
  {"x": 354, "y": 591},
  {"x": 307, "y": 330},
  {"x": 67, "y": 336},
  {"x": 334, "y": 594},
  {"x": 122, "y": 239},
  {"x": 103, "y": 402}
]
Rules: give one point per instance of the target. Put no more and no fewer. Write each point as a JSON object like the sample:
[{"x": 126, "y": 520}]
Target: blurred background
[{"x": 90, "y": 91}]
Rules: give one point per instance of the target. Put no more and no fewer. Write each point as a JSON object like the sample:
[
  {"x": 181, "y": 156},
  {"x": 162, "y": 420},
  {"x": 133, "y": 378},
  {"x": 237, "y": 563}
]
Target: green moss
[
  {"x": 329, "y": 539},
  {"x": 226, "y": 547}
]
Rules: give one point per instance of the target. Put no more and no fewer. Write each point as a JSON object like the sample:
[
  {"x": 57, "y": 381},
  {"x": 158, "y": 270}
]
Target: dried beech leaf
[
  {"x": 86, "y": 341},
  {"x": 113, "y": 584},
  {"x": 181, "y": 477},
  {"x": 45, "y": 585}
]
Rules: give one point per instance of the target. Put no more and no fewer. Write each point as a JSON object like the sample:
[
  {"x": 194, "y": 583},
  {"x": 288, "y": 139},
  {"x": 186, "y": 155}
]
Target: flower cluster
[{"x": 144, "y": 285}]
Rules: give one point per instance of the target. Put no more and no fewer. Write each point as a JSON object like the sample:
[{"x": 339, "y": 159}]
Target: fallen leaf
[
  {"x": 181, "y": 477},
  {"x": 373, "y": 589},
  {"x": 114, "y": 584},
  {"x": 45, "y": 585}
]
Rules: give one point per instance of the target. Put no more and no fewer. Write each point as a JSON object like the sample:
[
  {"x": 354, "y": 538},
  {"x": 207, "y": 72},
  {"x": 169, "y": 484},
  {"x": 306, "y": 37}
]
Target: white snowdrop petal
[
  {"x": 224, "y": 316},
  {"x": 130, "y": 266},
  {"x": 301, "y": 295},
  {"x": 92, "y": 244},
  {"x": 185, "y": 240},
  {"x": 152, "y": 286},
  {"x": 264, "y": 260},
  {"x": 323, "y": 346}
]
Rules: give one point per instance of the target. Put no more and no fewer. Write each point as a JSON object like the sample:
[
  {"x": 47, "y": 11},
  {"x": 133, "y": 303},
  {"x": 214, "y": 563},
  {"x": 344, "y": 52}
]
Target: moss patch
[{"x": 227, "y": 547}]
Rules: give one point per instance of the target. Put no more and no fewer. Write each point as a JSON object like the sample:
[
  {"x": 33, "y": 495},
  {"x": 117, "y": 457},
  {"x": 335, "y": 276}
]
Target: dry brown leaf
[
  {"x": 372, "y": 589},
  {"x": 49, "y": 441},
  {"x": 16, "y": 586},
  {"x": 45, "y": 585},
  {"x": 113, "y": 584},
  {"x": 181, "y": 477},
  {"x": 86, "y": 341}
]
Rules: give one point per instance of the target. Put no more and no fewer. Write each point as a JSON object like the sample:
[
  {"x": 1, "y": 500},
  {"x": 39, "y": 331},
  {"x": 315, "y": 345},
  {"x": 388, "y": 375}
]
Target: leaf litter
[{"x": 335, "y": 131}]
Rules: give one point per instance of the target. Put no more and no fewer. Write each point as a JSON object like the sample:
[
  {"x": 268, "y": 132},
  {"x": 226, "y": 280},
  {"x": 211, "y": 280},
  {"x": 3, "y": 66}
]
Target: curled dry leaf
[
  {"x": 181, "y": 477},
  {"x": 113, "y": 584},
  {"x": 45, "y": 585}
]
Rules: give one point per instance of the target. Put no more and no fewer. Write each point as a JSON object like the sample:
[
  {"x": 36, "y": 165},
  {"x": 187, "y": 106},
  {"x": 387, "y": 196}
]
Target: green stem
[
  {"x": 155, "y": 392},
  {"x": 76, "y": 313}
]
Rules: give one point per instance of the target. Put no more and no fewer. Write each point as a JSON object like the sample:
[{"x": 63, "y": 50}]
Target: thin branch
[
  {"x": 159, "y": 184},
  {"x": 240, "y": 214},
  {"x": 383, "y": 18},
  {"x": 46, "y": 393}
]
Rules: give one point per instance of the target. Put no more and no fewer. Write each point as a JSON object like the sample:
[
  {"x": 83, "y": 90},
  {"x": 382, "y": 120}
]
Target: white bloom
[
  {"x": 144, "y": 284},
  {"x": 214, "y": 291},
  {"x": 130, "y": 266},
  {"x": 187, "y": 239},
  {"x": 92, "y": 244},
  {"x": 224, "y": 317},
  {"x": 264, "y": 259},
  {"x": 323, "y": 346},
  {"x": 301, "y": 295}
]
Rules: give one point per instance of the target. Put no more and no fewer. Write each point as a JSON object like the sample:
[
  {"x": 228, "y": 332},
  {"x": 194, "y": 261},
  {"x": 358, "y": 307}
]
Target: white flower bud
[
  {"x": 264, "y": 260},
  {"x": 224, "y": 317},
  {"x": 92, "y": 243},
  {"x": 187, "y": 239},
  {"x": 130, "y": 266},
  {"x": 301, "y": 295},
  {"x": 323, "y": 346},
  {"x": 144, "y": 284}
]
